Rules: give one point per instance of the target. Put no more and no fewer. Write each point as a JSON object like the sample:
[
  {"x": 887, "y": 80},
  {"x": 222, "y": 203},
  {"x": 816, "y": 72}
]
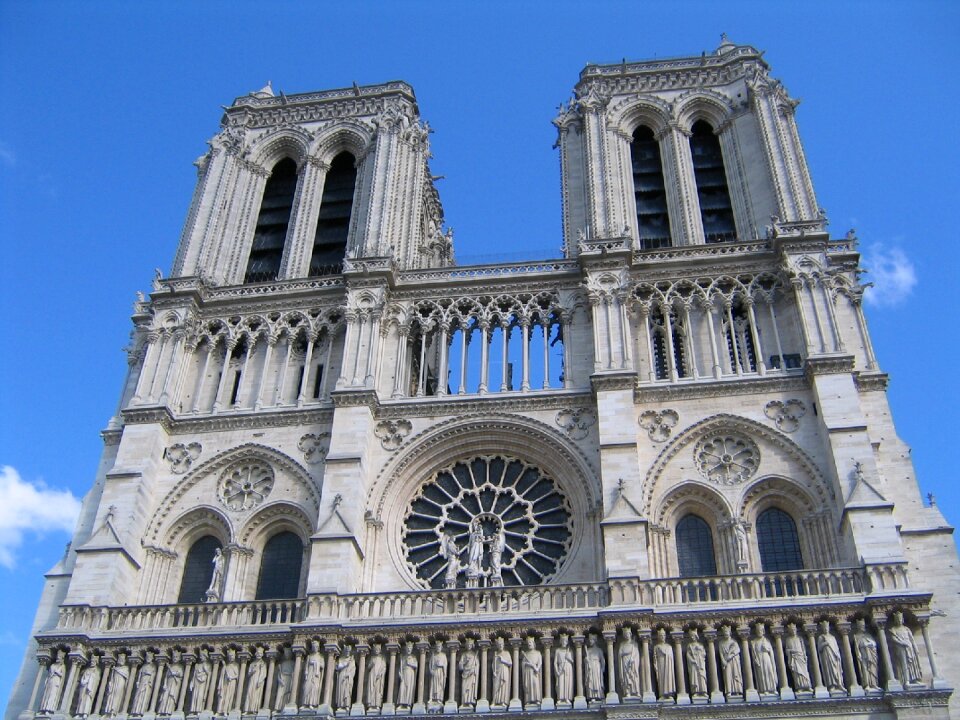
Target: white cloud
[
  {"x": 27, "y": 507},
  {"x": 892, "y": 273}
]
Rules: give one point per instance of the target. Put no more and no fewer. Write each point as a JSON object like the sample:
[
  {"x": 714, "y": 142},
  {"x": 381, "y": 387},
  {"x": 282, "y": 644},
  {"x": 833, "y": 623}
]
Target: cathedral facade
[{"x": 657, "y": 476}]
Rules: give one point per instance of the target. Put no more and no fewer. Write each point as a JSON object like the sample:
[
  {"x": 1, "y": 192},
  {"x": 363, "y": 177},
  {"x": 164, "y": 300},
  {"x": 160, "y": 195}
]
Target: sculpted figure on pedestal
[
  {"x": 475, "y": 552},
  {"x": 313, "y": 676},
  {"x": 663, "y": 665},
  {"x": 51, "y": 691},
  {"x": 346, "y": 669},
  {"x": 469, "y": 666},
  {"x": 376, "y": 673},
  {"x": 451, "y": 553},
  {"x": 282, "y": 696},
  {"x": 531, "y": 667},
  {"x": 906, "y": 663},
  {"x": 214, "y": 591},
  {"x": 796, "y": 657},
  {"x": 256, "y": 680},
  {"x": 144, "y": 692},
  {"x": 408, "y": 676},
  {"x": 229, "y": 680},
  {"x": 502, "y": 664},
  {"x": 628, "y": 657},
  {"x": 595, "y": 667},
  {"x": 87, "y": 692},
  {"x": 830, "y": 664},
  {"x": 200, "y": 682},
  {"x": 563, "y": 670},
  {"x": 729, "y": 650},
  {"x": 865, "y": 650},
  {"x": 498, "y": 543},
  {"x": 172, "y": 680},
  {"x": 438, "y": 672},
  {"x": 764, "y": 664},
  {"x": 696, "y": 663},
  {"x": 117, "y": 686}
]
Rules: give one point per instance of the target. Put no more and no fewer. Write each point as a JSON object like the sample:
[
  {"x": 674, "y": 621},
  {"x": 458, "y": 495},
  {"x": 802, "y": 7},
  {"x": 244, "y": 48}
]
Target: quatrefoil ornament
[
  {"x": 181, "y": 456},
  {"x": 576, "y": 422},
  {"x": 314, "y": 447},
  {"x": 660, "y": 424},
  {"x": 392, "y": 432},
  {"x": 785, "y": 414}
]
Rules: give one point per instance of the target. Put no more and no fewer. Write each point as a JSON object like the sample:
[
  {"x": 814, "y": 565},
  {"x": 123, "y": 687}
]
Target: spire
[
  {"x": 265, "y": 92},
  {"x": 725, "y": 44}
]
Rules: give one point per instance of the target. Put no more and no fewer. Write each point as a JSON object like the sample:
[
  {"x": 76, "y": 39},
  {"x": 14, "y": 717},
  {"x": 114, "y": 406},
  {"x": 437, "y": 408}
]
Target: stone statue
[
  {"x": 502, "y": 664},
  {"x": 200, "y": 682},
  {"x": 376, "y": 674},
  {"x": 409, "y": 664},
  {"x": 475, "y": 552},
  {"x": 282, "y": 698},
  {"x": 172, "y": 680},
  {"x": 796, "y": 657},
  {"x": 906, "y": 663},
  {"x": 438, "y": 672},
  {"x": 89, "y": 681},
  {"x": 829, "y": 651},
  {"x": 696, "y": 663},
  {"x": 451, "y": 553},
  {"x": 213, "y": 592},
  {"x": 51, "y": 691},
  {"x": 663, "y": 665},
  {"x": 469, "y": 666},
  {"x": 256, "y": 680},
  {"x": 498, "y": 543},
  {"x": 729, "y": 650},
  {"x": 628, "y": 657},
  {"x": 229, "y": 680},
  {"x": 531, "y": 672},
  {"x": 563, "y": 670},
  {"x": 313, "y": 676},
  {"x": 144, "y": 692},
  {"x": 595, "y": 668},
  {"x": 865, "y": 650},
  {"x": 764, "y": 665},
  {"x": 117, "y": 687},
  {"x": 740, "y": 535},
  {"x": 346, "y": 669}
]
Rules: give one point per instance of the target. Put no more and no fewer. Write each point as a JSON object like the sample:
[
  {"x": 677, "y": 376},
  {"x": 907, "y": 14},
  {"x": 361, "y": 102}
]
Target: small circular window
[
  {"x": 487, "y": 522},
  {"x": 245, "y": 484}
]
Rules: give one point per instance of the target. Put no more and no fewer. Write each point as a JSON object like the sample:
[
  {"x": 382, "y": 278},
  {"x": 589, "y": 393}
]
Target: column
[
  {"x": 938, "y": 682},
  {"x": 421, "y": 381},
  {"x": 786, "y": 692},
  {"x": 215, "y": 670},
  {"x": 388, "y": 707},
  {"x": 172, "y": 364},
  {"x": 832, "y": 316},
  {"x": 107, "y": 663},
  {"x": 515, "y": 704},
  {"x": 202, "y": 377},
  {"x": 258, "y": 396},
  {"x": 525, "y": 329},
  {"x": 188, "y": 661},
  {"x": 683, "y": 698},
  {"x": 442, "y": 369},
  {"x": 44, "y": 662},
  {"x": 188, "y": 359},
  {"x": 864, "y": 333},
  {"x": 610, "y": 636},
  {"x": 819, "y": 691},
  {"x": 399, "y": 370},
  {"x": 451, "y": 705},
  {"x": 244, "y": 658},
  {"x": 462, "y": 388},
  {"x": 566, "y": 329},
  {"x": 712, "y": 677},
  {"x": 143, "y": 384},
  {"x": 361, "y": 652},
  {"x": 776, "y": 333},
  {"x": 265, "y": 699},
  {"x": 483, "y": 695},
  {"x": 359, "y": 328},
  {"x": 668, "y": 333},
  {"x": 228, "y": 347},
  {"x": 547, "y": 703},
  {"x": 646, "y": 675},
  {"x": 134, "y": 665},
  {"x": 307, "y": 359},
  {"x": 750, "y": 693},
  {"x": 708, "y": 308},
  {"x": 373, "y": 350},
  {"x": 326, "y": 707},
  {"x": 298, "y": 653},
  {"x": 77, "y": 661},
  {"x": 325, "y": 380},
  {"x": 420, "y": 707},
  {"x": 853, "y": 686},
  {"x": 811, "y": 284},
  {"x": 505, "y": 338},
  {"x": 755, "y": 336},
  {"x": 691, "y": 346},
  {"x": 579, "y": 699},
  {"x": 731, "y": 328},
  {"x": 155, "y": 370},
  {"x": 545, "y": 325},
  {"x": 278, "y": 390}
]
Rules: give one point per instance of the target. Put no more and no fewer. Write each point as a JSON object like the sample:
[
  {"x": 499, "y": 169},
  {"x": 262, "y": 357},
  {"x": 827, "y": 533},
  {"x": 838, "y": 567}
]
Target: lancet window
[
  {"x": 695, "y": 554},
  {"x": 670, "y": 348},
  {"x": 778, "y": 541},
  {"x": 333, "y": 224},
  {"x": 198, "y": 570},
  {"x": 280, "y": 567},
  {"x": 716, "y": 210},
  {"x": 650, "y": 195},
  {"x": 270, "y": 234}
]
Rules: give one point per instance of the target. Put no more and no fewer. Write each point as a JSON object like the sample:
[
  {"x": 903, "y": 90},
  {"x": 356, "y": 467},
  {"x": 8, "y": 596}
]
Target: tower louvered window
[
  {"x": 650, "y": 195},
  {"x": 336, "y": 207},
  {"x": 272, "y": 223},
  {"x": 716, "y": 211}
]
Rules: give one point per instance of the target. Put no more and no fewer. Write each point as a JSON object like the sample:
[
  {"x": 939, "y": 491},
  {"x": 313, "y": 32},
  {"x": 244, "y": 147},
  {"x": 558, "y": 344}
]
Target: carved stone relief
[
  {"x": 659, "y": 425},
  {"x": 726, "y": 458},
  {"x": 576, "y": 422},
  {"x": 314, "y": 446},
  {"x": 181, "y": 456},
  {"x": 392, "y": 432},
  {"x": 245, "y": 484},
  {"x": 787, "y": 414}
]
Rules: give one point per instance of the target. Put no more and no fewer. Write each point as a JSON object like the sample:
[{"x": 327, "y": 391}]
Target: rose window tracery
[
  {"x": 488, "y": 521},
  {"x": 726, "y": 458},
  {"x": 245, "y": 484}
]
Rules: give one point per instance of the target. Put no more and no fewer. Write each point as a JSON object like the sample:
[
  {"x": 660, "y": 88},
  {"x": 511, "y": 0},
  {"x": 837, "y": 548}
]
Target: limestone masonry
[{"x": 656, "y": 477}]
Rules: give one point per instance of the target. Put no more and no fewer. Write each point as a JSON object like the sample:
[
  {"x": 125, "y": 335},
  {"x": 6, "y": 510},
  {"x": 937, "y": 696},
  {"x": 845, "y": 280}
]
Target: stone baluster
[
  {"x": 750, "y": 693},
  {"x": 329, "y": 671},
  {"x": 389, "y": 707},
  {"x": 612, "y": 698},
  {"x": 452, "y": 647},
  {"x": 420, "y": 707},
  {"x": 547, "y": 702},
  {"x": 786, "y": 692},
  {"x": 579, "y": 699},
  {"x": 937, "y": 683},
  {"x": 358, "y": 707},
  {"x": 819, "y": 691},
  {"x": 716, "y": 696},
  {"x": 683, "y": 697},
  {"x": 646, "y": 673},
  {"x": 854, "y": 688},
  {"x": 483, "y": 695}
]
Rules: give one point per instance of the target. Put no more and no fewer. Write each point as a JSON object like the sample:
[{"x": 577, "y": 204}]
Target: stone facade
[{"x": 658, "y": 472}]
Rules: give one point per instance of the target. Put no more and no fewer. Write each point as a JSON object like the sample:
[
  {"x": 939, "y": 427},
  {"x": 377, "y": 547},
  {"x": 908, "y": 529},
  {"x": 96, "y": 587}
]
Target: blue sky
[{"x": 106, "y": 105}]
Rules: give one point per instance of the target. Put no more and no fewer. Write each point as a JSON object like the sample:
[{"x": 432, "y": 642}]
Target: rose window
[
  {"x": 245, "y": 485},
  {"x": 489, "y": 521},
  {"x": 727, "y": 458}
]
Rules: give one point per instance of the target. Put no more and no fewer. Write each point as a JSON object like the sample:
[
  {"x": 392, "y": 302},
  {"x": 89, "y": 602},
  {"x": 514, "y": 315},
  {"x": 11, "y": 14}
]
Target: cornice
[
  {"x": 622, "y": 380},
  {"x": 828, "y": 365},
  {"x": 355, "y": 398},
  {"x": 453, "y": 406},
  {"x": 645, "y": 393},
  {"x": 246, "y": 420},
  {"x": 871, "y": 381}
]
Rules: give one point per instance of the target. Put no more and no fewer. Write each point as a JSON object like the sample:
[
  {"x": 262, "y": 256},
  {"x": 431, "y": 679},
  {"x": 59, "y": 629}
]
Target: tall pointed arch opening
[
  {"x": 333, "y": 223},
  {"x": 273, "y": 221}
]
